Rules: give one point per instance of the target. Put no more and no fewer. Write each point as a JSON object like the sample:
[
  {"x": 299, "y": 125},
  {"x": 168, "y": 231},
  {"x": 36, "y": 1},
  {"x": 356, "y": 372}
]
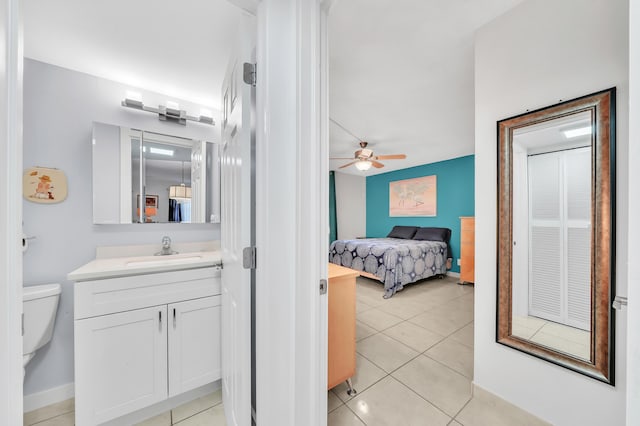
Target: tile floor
[
  {"x": 415, "y": 362},
  {"x": 204, "y": 411},
  {"x": 414, "y": 367},
  {"x": 562, "y": 337}
]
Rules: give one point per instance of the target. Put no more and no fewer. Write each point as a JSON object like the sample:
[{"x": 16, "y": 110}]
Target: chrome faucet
[{"x": 166, "y": 247}]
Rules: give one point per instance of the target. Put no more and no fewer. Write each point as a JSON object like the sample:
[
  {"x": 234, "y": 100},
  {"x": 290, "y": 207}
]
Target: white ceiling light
[
  {"x": 574, "y": 133},
  {"x": 363, "y": 165},
  {"x": 160, "y": 151}
]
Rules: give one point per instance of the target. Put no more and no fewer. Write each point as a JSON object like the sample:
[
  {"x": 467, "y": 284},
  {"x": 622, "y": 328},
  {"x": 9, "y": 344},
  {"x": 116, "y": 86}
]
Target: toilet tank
[{"x": 40, "y": 303}]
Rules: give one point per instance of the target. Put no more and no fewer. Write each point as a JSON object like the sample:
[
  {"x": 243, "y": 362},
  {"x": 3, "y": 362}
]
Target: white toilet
[{"x": 39, "y": 303}]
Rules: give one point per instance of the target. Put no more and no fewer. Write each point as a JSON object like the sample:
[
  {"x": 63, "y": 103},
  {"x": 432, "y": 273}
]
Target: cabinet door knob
[{"x": 174, "y": 317}]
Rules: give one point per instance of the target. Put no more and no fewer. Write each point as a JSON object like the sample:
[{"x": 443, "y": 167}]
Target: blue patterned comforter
[{"x": 394, "y": 261}]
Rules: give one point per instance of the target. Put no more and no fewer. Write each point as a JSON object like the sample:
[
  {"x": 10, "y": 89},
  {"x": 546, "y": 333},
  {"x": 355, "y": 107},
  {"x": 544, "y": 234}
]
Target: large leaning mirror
[
  {"x": 556, "y": 212},
  {"x": 148, "y": 177}
]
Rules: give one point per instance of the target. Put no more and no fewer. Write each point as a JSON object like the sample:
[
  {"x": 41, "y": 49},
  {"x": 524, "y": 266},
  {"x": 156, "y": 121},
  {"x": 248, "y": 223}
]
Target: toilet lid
[{"x": 40, "y": 291}]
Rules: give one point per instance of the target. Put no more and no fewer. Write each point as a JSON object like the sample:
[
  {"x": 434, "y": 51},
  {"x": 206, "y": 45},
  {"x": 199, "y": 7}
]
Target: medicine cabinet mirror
[
  {"x": 147, "y": 177},
  {"x": 556, "y": 234}
]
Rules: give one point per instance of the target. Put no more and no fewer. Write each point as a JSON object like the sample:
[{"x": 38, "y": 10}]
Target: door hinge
[
  {"x": 249, "y": 73},
  {"x": 323, "y": 286},
  {"x": 249, "y": 258}
]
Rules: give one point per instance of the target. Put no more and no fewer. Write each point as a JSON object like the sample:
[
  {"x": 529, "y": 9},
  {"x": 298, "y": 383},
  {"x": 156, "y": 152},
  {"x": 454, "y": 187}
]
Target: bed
[{"x": 408, "y": 254}]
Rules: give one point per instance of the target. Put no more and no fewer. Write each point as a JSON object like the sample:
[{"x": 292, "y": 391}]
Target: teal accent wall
[
  {"x": 333, "y": 222},
  {"x": 455, "y": 198}
]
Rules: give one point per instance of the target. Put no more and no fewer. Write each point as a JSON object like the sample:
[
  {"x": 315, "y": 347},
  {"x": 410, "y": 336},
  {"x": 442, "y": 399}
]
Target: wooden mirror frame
[{"x": 601, "y": 363}]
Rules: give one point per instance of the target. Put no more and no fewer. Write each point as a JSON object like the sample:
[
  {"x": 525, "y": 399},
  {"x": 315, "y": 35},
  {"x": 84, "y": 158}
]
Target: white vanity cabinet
[
  {"x": 142, "y": 339},
  {"x": 194, "y": 344},
  {"x": 120, "y": 363}
]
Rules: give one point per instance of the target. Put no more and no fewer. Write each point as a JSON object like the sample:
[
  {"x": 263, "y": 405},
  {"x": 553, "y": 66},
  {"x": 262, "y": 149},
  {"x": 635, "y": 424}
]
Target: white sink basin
[{"x": 164, "y": 260}]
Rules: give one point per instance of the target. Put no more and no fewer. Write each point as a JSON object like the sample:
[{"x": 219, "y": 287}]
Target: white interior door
[{"x": 236, "y": 226}]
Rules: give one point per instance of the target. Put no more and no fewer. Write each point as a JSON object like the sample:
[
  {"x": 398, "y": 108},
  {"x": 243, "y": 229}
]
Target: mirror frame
[{"x": 602, "y": 106}]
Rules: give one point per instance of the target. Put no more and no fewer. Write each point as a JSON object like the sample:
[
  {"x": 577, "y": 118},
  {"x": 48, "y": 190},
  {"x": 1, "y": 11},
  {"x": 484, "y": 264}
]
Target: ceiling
[
  {"x": 401, "y": 71},
  {"x": 176, "y": 48},
  {"x": 401, "y": 77}
]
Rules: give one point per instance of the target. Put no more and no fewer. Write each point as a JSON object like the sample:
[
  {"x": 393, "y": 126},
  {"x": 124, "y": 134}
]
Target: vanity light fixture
[
  {"x": 363, "y": 165},
  {"x": 169, "y": 112},
  {"x": 574, "y": 133}
]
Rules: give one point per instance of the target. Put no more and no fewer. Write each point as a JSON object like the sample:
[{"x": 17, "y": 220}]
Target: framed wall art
[{"x": 413, "y": 197}]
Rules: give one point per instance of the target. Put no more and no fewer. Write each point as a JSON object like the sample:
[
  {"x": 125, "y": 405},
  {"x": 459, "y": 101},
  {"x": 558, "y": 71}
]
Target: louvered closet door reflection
[
  {"x": 545, "y": 238},
  {"x": 577, "y": 166}
]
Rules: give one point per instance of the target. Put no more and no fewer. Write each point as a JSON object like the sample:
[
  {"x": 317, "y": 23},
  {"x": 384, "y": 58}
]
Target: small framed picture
[{"x": 151, "y": 201}]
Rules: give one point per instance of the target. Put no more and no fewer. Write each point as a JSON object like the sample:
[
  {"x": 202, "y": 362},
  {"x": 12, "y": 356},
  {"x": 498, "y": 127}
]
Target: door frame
[
  {"x": 633, "y": 286},
  {"x": 11, "y": 212},
  {"x": 292, "y": 205}
]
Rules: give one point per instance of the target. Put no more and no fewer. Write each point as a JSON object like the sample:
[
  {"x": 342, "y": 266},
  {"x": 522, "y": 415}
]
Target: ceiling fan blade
[
  {"x": 340, "y": 158},
  {"x": 376, "y": 164},
  {"x": 391, "y": 157},
  {"x": 348, "y": 164}
]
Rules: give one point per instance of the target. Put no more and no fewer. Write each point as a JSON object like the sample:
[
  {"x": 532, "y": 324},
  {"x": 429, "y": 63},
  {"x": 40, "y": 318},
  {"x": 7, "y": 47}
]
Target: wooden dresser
[
  {"x": 467, "y": 249},
  {"x": 342, "y": 324}
]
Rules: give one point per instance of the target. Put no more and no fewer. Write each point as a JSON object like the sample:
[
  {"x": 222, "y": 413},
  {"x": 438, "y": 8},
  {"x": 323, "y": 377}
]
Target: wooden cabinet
[
  {"x": 342, "y": 324},
  {"x": 467, "y": 249},
  {"x": 128, "y": 360}
]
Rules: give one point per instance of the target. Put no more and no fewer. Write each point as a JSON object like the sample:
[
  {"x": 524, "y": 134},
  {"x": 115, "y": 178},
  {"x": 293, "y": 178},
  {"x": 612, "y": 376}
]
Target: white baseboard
[
  {"x": 164, "y": 406},
  {"x": 64, "y": 392},
  {"x": 48, "y": 397},
  {"x": 453, "y": 274}
]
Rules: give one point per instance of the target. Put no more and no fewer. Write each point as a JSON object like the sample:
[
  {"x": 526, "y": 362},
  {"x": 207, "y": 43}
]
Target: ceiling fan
[{"x": 364, "y": 158}]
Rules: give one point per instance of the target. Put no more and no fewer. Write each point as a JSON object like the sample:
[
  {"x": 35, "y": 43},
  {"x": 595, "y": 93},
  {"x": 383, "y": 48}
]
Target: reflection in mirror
[
  {"x": 555, "y": 233},
  {"x": 552, "y": 233},
  {"x": 146, "y": 177},
  {"x": 168, "y": 192}
]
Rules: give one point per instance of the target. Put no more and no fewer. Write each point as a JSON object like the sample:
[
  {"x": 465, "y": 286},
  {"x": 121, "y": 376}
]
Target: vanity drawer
[{"x": 107, "y": 296}]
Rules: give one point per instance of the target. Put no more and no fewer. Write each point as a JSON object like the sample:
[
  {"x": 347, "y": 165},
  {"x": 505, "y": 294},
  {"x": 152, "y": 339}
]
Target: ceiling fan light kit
[
  {"x": 364, "y": 158},
  {"x": 363, "y": 165}
]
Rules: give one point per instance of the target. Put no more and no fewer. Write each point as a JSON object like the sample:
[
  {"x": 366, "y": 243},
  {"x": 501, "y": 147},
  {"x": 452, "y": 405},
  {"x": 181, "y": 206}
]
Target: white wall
[
  {"x": 535, "y": 55},
  {"x": 59, "y": 108},
  {"x": 351, "y": 206},
  {"x": 633, "y": 342}
]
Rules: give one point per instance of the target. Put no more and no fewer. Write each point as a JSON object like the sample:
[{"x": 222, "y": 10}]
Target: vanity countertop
[{"x": 112, "y": 267}]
